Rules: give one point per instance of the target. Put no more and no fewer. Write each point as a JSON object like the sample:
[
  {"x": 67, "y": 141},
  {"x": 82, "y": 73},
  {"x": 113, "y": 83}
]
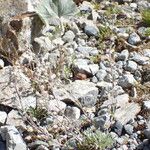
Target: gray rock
[
  {"x": 120, "y": 64},
  {"x": 127, "y": 81},
  {"x": 84, "y": 91},
  {"x": 72, "y": 112},
  {"x": 37, "y": 143},
  {"x": 117, "y": 128},
  {"x": 13, "y": 78},
  {"x": 42, "y": 44},
  {"x": 3, "y": 116},
  {"x": 86, "y": 50},
  {"x": 99, "y": 122},
  {"x": 121, "y": 32},
  {"x": 141, "y": 31},
  {"x": 122, "y": 113},
  {"x": 69, "y": 36},
  {"x": 14, "y": 118},
  {"x": 101, "y": 74},
  {"x": 102, "y": 66},
  {"x": 105, "y": 85},
  {"x": 81, "y": 91},
  {"x": 94, "y": 80},
  {"x": 56, "y": 106},
  {"x": 85, "y": 9},
  {"x": 18, "y": 7},
  {"x": 42, "y": 147},
  {"x": 91, "y": 30},
  {"x": 13, "y": 138},
  {"x": 140, "y": 59},
  {"x": 134, "y": 38},
  {"x": 93, "y": 68},
  {"x": 129, "y": 129},
  {"x": 1, "y": 64},
  {"x": 118, "y": 100},
  {"x": 124, "y": 55},
  {"x": 138, "y": 75},
  {"x": 147, "y": 133},
  {"x": 146, "y": 52},
  {"x": 49, "y": 120},
  {"x": 131, "y": 66},
  {"x": 128, "y": 1},
  {"x": 82, "y": 66},
  {"x": 146, "y": 104},
  {"x": 143, "y": 4},
  {"x": 133, "y": 6},
  {"x": 2, "y": 145},
  {"x": 118, "y": 90},
  {"x": 29, "y": 101}
]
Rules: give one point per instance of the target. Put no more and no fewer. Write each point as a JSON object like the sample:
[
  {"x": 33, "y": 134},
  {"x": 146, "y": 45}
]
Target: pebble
[
  {"x": 131, "y": 66},
  {"x": 134, "y": 39},
  {"x": 117, "y": 128},
  {"x": 123, "y": 55},
  {"x": 146, "y": 104},
  {"x": 3, "y": 116},
  {"x": 138, "y": 58},
  {"x": 91, "y": 30},
  {"x": 127, "y": 81},
  {"x": 69, "y": 36},
  {"x": 129, "y": 129},
  {"x": 72, "y": 113},
  {"x": 101, "y": 74}
]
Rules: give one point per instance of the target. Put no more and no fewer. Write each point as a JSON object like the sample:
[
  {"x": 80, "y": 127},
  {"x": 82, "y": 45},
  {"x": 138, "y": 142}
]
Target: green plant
[
  {"x": 95, "y": 59},
  {"x": 95, "y": 141},
  {"x": 112, "y": 10},
  {"x": 39, "y": 113},
  {"x": 147, "y": 32},
  {"x": 146, "y": 16},
  {"x": 67, "y": 71},
  {"x": 104, "y": 33},
  {"x": 96, "y": 6},
  {"x": 54, "y": 11}
]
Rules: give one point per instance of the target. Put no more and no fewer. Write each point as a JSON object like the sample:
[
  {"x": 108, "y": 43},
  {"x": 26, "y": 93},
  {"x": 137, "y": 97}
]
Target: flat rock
[
  {"x": 72, "y": 112},
  {"x": 15, "y": 119},
  {"x": 140, "y": 59},
  {"x": 81, "y": 91},
  {"x": 13, "y": 138},
  {"x": 127, "y": 112},
  {"x": 3, "y": 116},
  {"x": 120, "y": 100},
  {"x": 146, "y": 104},
  {"x": 86, "y": 92},
  {"x": 56, "y": 106},
  {"x": 127, "y": 81},
  {"x": 14, "y": 82}
]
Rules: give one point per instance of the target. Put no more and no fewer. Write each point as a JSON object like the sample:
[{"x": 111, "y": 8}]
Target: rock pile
[{"x": 93, "y": 74}]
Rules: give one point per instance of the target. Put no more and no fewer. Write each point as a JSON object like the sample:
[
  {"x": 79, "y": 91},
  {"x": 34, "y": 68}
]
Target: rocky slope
[{"x": 84, "y": 86}]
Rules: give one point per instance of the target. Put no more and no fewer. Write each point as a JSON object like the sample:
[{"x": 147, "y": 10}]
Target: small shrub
[
  {"x": 112, "y": 10},
  {"x": 95, "y": 141},
  {"x": 104, "y": 33},
  {"x": 39, "y": 113},
  {"x": 95, "y": 59},
  {"x": 146, "y": 16},
  {"x": 96, "y": 6},
  {"x": 147, "y": 32}
]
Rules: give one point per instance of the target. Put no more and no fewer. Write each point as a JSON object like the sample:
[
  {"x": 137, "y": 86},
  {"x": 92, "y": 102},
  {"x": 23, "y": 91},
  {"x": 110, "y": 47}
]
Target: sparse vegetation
[
  {"x": 95, "y": 141},
  {"x": 38, "y": 112},
  {"x": 104, "y": 33},
  {"x": 147, "y": 32},
  {"x": 146, "y": 16}
]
